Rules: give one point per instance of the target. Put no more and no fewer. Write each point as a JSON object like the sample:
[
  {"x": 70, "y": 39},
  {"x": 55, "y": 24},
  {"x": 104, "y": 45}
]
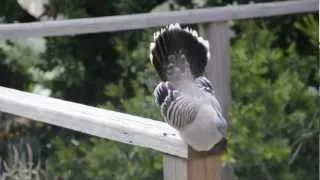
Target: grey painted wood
[
  {"x": 174, "y": 168},
  {"x": 112, "y": 125},
  {"x": 146, "y": 20}
]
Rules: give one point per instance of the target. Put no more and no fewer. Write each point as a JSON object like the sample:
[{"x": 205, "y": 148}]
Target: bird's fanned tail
[{"x": 173, "y": 46}]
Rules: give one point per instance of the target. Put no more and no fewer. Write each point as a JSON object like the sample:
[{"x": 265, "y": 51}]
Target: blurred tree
[
  {"x": 275, "y": 114},
  {"x": 90, "y": 61}
]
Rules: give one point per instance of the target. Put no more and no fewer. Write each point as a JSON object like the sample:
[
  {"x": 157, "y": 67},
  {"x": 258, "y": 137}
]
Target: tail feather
[{"x": 173, "y": 46}]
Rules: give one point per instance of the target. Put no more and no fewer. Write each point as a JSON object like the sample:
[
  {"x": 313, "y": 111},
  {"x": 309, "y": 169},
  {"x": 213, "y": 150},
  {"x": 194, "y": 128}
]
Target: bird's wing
[{"x": 177, "y": 108}]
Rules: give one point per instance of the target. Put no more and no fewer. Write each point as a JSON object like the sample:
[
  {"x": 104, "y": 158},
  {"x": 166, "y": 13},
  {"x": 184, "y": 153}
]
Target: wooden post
[
  {"x": 218, "y": 71},
  {"x": 207, "y": 165},
  {"x": 174, "y": 168},
  {"x": 198, "y": 166}
]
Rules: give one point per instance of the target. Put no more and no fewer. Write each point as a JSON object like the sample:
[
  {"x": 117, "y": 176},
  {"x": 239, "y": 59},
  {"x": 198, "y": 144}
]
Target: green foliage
[
  {"x": 128, "y": 162},
  {"x": 15, "y": 72},
  {"x": 310, "y": 27},
  {"x": 274, "y": 113}
]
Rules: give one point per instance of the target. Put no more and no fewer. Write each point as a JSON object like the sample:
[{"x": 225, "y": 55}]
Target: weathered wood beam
[
  {"x": 103, "y": 123},
  {"x": 147, "y": 20}
]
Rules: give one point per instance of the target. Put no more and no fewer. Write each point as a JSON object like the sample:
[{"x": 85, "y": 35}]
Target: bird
[{"x": 184, "y": 95}]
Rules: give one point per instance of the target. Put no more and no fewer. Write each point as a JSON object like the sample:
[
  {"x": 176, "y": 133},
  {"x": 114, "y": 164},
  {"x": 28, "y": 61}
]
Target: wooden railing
[
  {"x": 179, "y": 162},
  {"x": 147, "y": 20}
]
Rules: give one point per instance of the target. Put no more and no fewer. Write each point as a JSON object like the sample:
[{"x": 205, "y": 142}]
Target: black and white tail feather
[
  {"x": 174, "y": 46},
  {"x": 185, "y": 96}
]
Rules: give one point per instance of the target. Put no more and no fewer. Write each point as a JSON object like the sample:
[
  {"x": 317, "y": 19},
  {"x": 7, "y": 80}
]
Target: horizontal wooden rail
[
  {"x": 108, "y": 124},
  {"x": 146, "y": 20}
]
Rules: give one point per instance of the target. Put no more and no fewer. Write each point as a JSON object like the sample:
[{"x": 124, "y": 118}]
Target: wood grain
[
  {"x": 174, "y": 168},
  {"x": 208, "y": 168}
]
